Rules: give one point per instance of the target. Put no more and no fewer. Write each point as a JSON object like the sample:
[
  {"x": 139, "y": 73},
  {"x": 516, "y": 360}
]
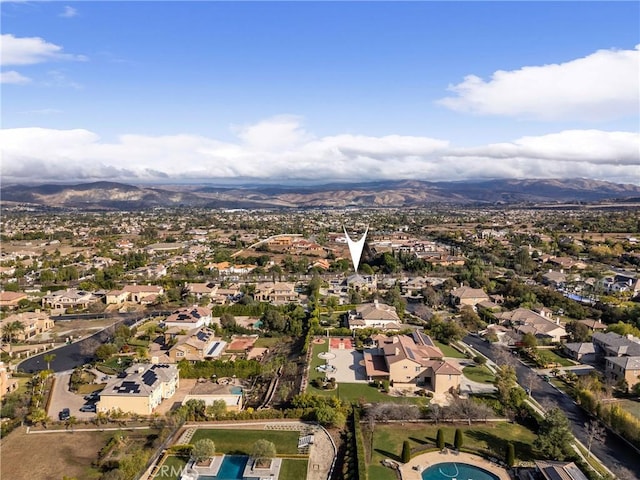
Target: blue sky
[{"x": 163, "y": 91}]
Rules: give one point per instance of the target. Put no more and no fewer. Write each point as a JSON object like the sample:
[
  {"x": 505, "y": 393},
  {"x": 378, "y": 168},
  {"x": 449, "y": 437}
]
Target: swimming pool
[
  {"x": 232, "y": 468},
  {"x": 456, "y": 471},
  {"x": 236, "y": 390}
]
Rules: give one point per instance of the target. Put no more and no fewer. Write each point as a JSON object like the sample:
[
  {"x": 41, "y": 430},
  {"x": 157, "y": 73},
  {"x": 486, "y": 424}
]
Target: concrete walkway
[{"x": 413, "y": 469}]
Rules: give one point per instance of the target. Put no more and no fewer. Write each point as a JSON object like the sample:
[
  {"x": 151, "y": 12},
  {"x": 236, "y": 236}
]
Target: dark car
[
  {"x": 64, "y": 414},
  {"x": 92, "y": 396},
  {"x": 89, "y": 407}
]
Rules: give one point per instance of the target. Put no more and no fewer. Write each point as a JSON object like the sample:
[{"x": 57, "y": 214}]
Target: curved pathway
[{"x": 413, "y": 469}]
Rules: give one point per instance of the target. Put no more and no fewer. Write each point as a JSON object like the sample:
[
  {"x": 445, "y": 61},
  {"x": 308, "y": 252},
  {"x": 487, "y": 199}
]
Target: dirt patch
[
  {"x": 318, "y": 341},
  {"x": 241, "y": 344},
  {"x": 58, "y": 454}
]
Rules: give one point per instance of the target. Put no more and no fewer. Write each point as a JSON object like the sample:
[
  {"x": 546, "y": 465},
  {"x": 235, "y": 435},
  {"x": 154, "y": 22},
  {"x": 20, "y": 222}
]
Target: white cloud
[
  {"x": 13, "y": 77},
  {"x": 68, "y": 12},
  {"x": 31, "y": 50},
  {"x": 601, "y": 86},
  {"x": 279, "y": 149}
]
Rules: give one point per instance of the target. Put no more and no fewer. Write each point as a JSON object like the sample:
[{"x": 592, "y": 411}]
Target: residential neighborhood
[{"x": 180, "y": 318}]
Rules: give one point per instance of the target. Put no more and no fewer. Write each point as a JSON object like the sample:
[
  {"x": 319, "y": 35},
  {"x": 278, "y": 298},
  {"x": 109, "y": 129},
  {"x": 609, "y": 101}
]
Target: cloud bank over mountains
[{"x": 280, "y": 149}]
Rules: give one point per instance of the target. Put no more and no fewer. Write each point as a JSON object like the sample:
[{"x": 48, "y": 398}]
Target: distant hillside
[{"x": 402, "y": 193}]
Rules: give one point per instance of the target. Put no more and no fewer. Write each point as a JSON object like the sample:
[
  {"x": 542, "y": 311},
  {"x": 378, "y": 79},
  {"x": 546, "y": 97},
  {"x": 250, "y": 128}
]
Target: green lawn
[
  {"x": 550, "y": 357},
  {"x": 293, "y": 469},
  {"x": 315, "y": 361},
  {"x": 234, "y": 441},
  {"x": 267, "y": 342},
  {"x": 171, "y": 468},
  {"x": 478, "y": 373},
  {"x": 353, "y": 392},
  {"x": 449, "y": 351},
  {"x": 378, "y": 472},
  {"x": 387, "y": 440}
]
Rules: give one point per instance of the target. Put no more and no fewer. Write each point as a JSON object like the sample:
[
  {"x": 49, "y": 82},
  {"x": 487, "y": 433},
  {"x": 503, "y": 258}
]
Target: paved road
[
  {"x": 612, "y": 452},
  {"x": 70, "y": 356},
  {"x": 63, "y": 398}
]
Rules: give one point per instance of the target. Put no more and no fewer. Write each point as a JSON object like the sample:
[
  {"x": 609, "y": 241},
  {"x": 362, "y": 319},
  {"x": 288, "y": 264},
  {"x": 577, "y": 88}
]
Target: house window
[
  {"x": 179, "y": 354},
  {"x": 405, "y": 367},
  {"x": 417, "y": 369}
]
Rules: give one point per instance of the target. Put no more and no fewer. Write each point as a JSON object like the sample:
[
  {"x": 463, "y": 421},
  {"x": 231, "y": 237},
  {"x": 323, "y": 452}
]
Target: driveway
[
  {"x": 61, "y": 398},
  {"x": 349, "y": 366}
]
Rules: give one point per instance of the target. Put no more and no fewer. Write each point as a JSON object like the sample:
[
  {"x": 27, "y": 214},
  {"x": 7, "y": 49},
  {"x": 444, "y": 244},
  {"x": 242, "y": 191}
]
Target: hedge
[{"x": 362, "y": 464}]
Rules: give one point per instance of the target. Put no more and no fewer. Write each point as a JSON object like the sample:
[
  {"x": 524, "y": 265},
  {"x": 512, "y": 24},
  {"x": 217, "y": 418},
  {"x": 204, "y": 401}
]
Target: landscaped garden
[
  {"x": 550, "y": 358},
  {"x": 483, "y": 438},
  {"x": 235, "y": 442}
]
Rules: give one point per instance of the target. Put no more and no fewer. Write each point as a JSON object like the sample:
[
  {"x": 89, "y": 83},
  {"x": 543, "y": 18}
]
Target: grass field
[
  {"x": 267, "y": 342},
  {"x": 51, "y": 456},
  {"x": 550, "y": 357},
  {"x": 293, "y": 469},
  {"x": 171, "y": 468},
  {"x": 478, "y": 373},
  {"x": 449, "y": 351},
  {"x": 387, "y": 439},
  {"x": 354, "y": 392},
  {"x": 631, "y": 406},
  {"x": 234, "y": 441}
]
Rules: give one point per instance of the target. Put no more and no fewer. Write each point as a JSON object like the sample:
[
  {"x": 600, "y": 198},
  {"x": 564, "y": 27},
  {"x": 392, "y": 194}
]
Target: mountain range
[{"x": 401, "y": 193}]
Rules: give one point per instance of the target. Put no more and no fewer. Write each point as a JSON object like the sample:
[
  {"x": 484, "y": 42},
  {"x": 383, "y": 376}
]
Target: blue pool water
[
  {"x": 236, "y": 390},
  {"x": 232, "y": 468},
  {"x": 456, "y": 471}
]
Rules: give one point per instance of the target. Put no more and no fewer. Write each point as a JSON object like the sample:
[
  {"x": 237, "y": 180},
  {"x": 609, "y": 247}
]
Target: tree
[
  {"x": 49, "y": 357},
  {"x": 228, "y": 321},
  {"x": 203, "y": 449},
  {"x": 10, "y": 330},
  {"x": 554, "y": 435},
  {"x": 510, "y": 454},
  {"x": 458, "y": 440},
  {"x": 505, "y": 381},
  {"x": 263, "y": 450},
  {"x": 595, "y": 432},
  {"x": 470, "y": 319},
  {"x": 106, "y": 350},
  {"x": 330, "y": 416},
  {"x": 529, "y": 341},
  {"x": 406, "y": 451},
  {"x": 440, "y": 443}
]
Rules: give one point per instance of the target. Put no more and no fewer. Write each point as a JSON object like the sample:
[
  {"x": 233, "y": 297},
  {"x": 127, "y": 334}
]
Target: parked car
[
  {"x": 64, "y": 414},
  {"x": 89, "y": 407},
  {"x": 92, "y": 396}
]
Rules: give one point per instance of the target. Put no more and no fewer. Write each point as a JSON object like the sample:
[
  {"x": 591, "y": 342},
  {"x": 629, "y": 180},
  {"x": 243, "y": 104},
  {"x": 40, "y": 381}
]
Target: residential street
[{"x": 614, "y": 451}]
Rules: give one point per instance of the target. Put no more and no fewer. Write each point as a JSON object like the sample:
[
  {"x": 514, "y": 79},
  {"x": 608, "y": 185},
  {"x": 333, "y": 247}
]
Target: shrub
[
  {"x": 510, "y": 455},
  {"x": 458, "y": 439},
  {"x": 406, "y": 451},
  {"x": 440, "y": 439}
]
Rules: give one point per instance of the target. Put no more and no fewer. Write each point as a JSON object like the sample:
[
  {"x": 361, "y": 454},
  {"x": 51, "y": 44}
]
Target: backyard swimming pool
[
  {"x": 456, "y": 471},
  {"x": 232, "y": 468}
]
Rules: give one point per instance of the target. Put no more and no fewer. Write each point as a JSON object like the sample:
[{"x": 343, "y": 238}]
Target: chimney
[
  {"x": 557, "y": 320},
  {"x": 140, "y": 369},
  {"x": 397, "y": 351}
]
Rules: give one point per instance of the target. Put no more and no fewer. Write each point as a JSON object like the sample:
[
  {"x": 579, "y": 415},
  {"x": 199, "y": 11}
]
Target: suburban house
[
  {"x": 555, "y": 279},
  {"x": 540, "y": 324},
  {"x": 411, "y": 359},
  {"x": 621, "y": 283},
  {"x": 277, "y": 293},
  {"x": 468, "y": 296},
  {"x": 593, "y": 325},
  {"x": 623, "y": 369},
  {"x": 142, "y": 294},
  {"x": 141, "y": 391},
  {"x": 11, "y": 299},
  {"x": 210, "y": 392},
  {"x": 582, "y": 352},
  {"x": 200, "y": 290},
  {"x": 551, "y": 470},
  {"x": 7, "y": 384},
  {"x": 189, "y": 318},
  {"x": 374, "y": 315},
  {"x": 33, "y": 323},
  {"x": 197, "y": 345},
  {"x": 70, "y": 298},
  {"x": 615, "y": 345}
]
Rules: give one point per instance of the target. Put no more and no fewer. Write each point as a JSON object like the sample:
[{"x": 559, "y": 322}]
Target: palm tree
[
  {"x": 10, "y": 329},
  {"x": 49, "y": 357}
]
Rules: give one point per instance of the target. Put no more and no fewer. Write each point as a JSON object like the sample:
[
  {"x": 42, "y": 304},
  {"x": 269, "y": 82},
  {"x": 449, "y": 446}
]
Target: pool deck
[{"x": 413, "y": 469}]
